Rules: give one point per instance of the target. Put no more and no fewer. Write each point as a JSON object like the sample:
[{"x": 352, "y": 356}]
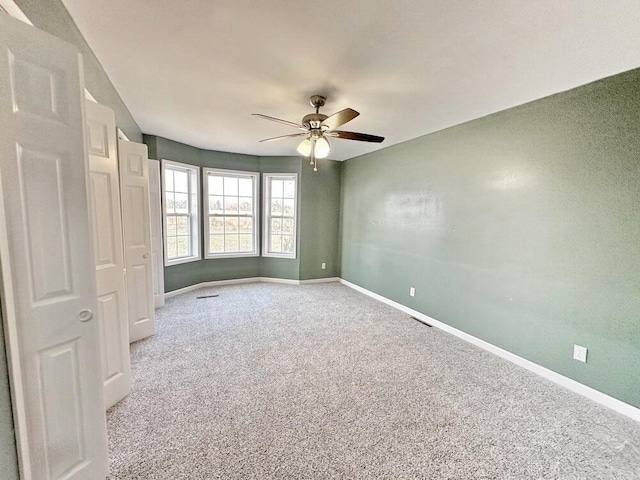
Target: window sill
[
  {"x": 279, "y": 255},
  {"x": 231, "y": 255},
  {"x": 179, "y": 261}
]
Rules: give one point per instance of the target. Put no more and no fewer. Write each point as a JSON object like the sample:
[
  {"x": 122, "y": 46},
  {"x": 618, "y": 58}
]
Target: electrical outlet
[
  {"x": 580, "y": 353},
  {"x": 323, "y": 265},
  {"x": 412, "y": 292}
]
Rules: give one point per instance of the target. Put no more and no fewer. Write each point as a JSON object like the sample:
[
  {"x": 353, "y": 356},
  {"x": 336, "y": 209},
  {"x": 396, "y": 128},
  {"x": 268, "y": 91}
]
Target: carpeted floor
[{"x": 320, "y": 382}]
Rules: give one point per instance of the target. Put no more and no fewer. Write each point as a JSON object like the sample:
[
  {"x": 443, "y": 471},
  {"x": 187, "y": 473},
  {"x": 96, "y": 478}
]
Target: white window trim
[
  {"x": 267, "y": 216},
  {"x": 256, "y": 213},
  {"x": 195, "y": 222}
]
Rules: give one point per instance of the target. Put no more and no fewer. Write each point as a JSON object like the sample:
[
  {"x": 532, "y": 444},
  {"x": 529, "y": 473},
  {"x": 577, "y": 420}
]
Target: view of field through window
[
  {"x": 281, "y": 217},
  {"x": 231, "y": 213},
  {"x": 177, "y": 210}
]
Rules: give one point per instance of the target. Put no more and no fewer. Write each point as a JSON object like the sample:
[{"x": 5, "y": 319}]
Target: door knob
[
  {"x": 85, "y": 315},
  {"x": 145, "y": 255}
]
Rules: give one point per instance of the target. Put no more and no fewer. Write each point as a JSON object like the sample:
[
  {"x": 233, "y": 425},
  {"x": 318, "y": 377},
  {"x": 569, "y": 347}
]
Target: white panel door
[
  {"x": 134, "y": 184},
  {"x": 111, "y": 314},
  {"x": 48, "y": 283},
  {"x": 157, "y": 249}
]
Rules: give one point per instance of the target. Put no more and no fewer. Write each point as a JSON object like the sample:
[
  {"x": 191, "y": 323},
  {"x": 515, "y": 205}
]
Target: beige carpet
[{"x": 278, "y": 381}]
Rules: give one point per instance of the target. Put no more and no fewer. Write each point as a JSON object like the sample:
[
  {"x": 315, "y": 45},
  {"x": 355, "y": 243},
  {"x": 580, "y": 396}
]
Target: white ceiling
[{"x": 194, "y": 71}]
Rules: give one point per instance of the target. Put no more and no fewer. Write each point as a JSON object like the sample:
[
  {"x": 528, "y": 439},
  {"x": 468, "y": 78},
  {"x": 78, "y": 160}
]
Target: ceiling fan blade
[
  {"x": 362, "y": 137},
  {"x": 284, "y": 136},
  {"x": 279, "y": 120},
  {"x": 339, "y": 118}
]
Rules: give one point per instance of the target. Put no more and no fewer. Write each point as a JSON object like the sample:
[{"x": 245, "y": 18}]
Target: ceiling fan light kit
[
  {"x": 317, "y": 127},
  {"x": 319, "y": 146}
]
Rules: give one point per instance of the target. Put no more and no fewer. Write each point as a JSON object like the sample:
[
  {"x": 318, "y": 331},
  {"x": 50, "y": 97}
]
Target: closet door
[
  {"x": 134, "y": 184},
  {"x": 157, "y": 249},
  {"x": 111, "y": 314},
  {"x": 48, "y": 284}
]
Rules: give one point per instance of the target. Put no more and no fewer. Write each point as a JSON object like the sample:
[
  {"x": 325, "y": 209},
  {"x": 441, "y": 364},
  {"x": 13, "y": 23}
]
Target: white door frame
[{"x": 157, "y": 243}]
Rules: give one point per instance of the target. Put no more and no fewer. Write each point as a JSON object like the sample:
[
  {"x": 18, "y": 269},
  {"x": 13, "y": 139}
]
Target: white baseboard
[
  {"x": 592, "y": 394},
  {"x": 235, "y": 281},
  {"x": 319, "y": 280},
  {"x": 288, "y": 281},
  {"x": 198, "y": 286}
]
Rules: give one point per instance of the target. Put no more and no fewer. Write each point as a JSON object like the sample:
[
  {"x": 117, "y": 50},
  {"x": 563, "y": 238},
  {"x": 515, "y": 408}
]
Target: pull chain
[{"x": 313, "y": 155}]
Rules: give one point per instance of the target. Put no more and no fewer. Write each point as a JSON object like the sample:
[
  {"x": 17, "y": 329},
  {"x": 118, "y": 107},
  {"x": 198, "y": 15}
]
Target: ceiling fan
[{"x": 316, "y": 127}]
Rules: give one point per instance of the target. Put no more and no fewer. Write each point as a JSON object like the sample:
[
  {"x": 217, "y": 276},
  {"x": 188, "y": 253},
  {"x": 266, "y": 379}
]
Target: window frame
[
  {"x": 255, "y": 176},
  {"x": 194, "y": 211},
  {"x": 266, "y": 199}
]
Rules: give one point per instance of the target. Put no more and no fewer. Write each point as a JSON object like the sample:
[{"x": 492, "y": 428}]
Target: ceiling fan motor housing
[{"x": 313, "y": 120}]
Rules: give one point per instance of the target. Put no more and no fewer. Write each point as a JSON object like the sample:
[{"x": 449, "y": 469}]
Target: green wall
[
  {"x": 52, "y": 17},
  {"x": 8, "y": 457},
  {"x": 320, "y": 220},
  {"x": 318, "y": 217},
  {"x": 521, "y": 228}
]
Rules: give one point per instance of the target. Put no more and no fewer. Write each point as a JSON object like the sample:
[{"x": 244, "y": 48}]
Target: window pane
[
  {"x": 230, "y": 224},
  {"x": 246, "y": 225},
  {"x": 231, "y": 242},
  {"x": 215, "y": 185},
  {"x": 246, "y": 243},
  {"x": 245, "y": 205},
  {"x": 216, "y": 243},
  {"x": 171, "y": 226},
  {"x": 182, "y": 203},
  {"x": 182, "y": 226},
  {"x": 168, "y": 179},
  {"x": 184, "y": 246},
  {"x": 288, "y": 208},
  {"x": 277, "y": 188},
  {"x": 276, "y": 207},
  {"x": 276, "y": 243},
  {"x": 230, "y": 205},
  {"x": 172, "y": 249},
  {"x": 276, "y": 225},
  {"x": 216, "y": 205},
  {"x": 216, "y": 225},
  {"x": 169, "y": 203},
  {"x": 181, "y": 181},
  {"x": 287, "y": 243},
  {"x": 287, "y": 226},
  {"x": 245, "y": 187},
  {"x": 289, "y": 189},
  {"x": 230, "y": 186}
]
